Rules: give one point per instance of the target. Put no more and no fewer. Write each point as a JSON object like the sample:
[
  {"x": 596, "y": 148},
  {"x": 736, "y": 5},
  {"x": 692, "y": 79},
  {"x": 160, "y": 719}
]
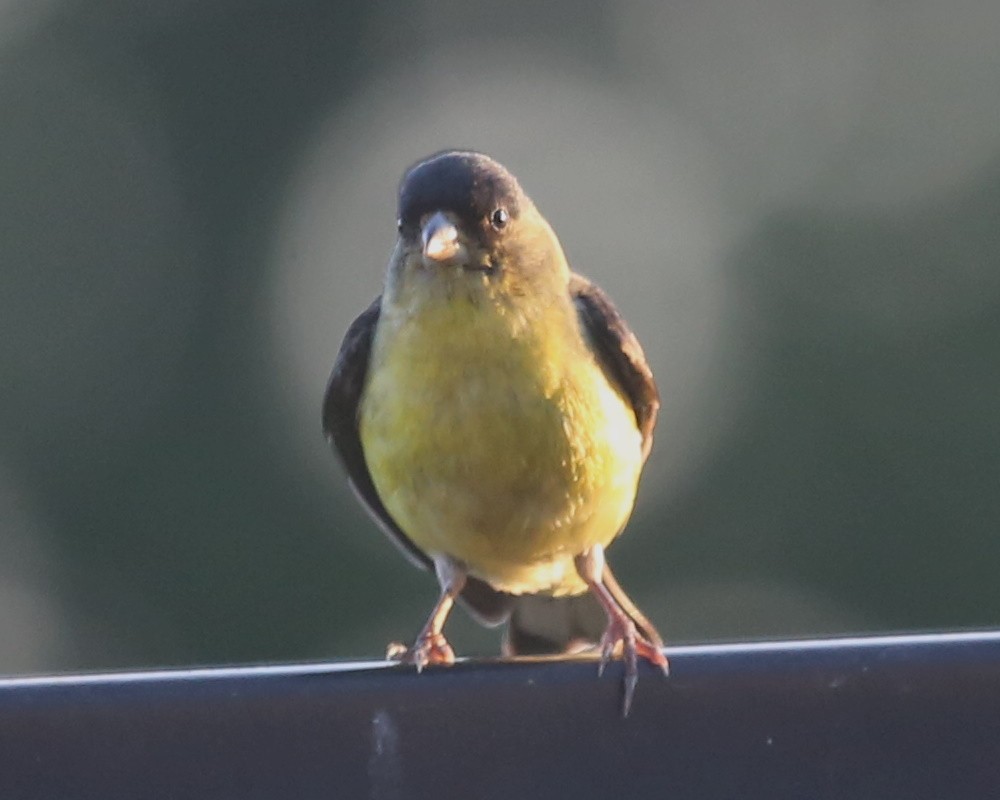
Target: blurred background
[{"x": 795, "y": 204}]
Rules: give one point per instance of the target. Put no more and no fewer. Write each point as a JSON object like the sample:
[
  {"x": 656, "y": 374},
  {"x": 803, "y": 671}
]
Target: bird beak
[{"x": 441, "y": 244}]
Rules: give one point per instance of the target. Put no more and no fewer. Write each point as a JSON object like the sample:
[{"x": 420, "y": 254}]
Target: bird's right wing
[{"x": 340, "y": 424}]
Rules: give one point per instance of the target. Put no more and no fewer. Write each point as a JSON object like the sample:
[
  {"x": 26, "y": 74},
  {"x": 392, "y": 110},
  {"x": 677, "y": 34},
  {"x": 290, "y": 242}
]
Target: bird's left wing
[
  {"x": 619, "y": 353},
  {"x": 553, "y": 625}
]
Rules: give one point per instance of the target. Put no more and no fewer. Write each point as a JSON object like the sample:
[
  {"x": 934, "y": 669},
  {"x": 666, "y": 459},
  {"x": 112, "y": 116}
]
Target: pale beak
[{"x": 440, "y": 241}]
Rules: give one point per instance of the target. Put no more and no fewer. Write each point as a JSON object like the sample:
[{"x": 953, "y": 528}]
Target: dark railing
[{"x": 884, "y": 718}]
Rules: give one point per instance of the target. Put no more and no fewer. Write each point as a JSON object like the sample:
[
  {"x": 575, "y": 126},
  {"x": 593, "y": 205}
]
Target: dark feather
[
  {"x": 619, "y": 353},
  {"x": 469, "y": 185}
]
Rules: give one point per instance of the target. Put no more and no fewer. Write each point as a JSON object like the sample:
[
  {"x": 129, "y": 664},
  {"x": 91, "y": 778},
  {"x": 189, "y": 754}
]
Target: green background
[{"x": 796, "y": 206}]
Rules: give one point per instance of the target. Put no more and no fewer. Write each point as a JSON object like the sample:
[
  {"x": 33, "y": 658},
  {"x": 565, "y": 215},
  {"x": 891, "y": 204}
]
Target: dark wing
[
  {"x": 340, "y": 424},
  {"x": 619, "y": 353},
  {"x": 561, "y": 624}
]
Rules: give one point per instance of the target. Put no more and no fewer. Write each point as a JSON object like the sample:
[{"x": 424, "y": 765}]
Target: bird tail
[{"x": 541, "y": 625}]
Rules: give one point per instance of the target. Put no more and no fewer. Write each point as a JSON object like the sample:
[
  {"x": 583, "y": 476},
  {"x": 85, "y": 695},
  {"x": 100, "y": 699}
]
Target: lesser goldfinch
[{"x": 494, "y": 411}]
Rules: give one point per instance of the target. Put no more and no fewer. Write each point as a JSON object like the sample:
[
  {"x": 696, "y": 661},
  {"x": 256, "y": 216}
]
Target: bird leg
[
  {"x": 430, "y": 646},
  {"x": 621, "y": 630}
]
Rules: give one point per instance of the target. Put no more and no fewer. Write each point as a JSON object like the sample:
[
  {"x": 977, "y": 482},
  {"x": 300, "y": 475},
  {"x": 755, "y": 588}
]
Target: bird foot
[
  {"x": 621, "y": 637},
  {"x": 429, "y": 648}
]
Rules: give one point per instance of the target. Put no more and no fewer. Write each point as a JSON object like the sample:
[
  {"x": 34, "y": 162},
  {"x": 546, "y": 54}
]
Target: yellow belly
[{"x": 508, "y": 451}]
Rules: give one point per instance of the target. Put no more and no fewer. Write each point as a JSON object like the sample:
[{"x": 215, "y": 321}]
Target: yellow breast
[{"x": 498, "y": 443}]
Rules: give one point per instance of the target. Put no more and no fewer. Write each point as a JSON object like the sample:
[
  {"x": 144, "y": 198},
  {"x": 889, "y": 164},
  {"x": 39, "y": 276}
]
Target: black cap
[{"x": 470, "y": 185}]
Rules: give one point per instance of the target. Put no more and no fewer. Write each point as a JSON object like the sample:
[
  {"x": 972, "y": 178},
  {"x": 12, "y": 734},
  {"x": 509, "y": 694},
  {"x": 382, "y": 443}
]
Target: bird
[{"x": 493, "y": 412}]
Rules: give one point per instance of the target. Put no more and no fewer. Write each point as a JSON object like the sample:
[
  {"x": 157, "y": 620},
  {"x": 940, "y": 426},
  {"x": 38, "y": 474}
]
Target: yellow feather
[{"x": 493, "y": 435}]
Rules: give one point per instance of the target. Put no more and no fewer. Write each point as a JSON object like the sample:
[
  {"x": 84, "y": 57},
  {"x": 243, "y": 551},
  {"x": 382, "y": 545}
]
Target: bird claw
[
  {"x": 622, "y": 637},
  {"x": 428, "y": 649}
]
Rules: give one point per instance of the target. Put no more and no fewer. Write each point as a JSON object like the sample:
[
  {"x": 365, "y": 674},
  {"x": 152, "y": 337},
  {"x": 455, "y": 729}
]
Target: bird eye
[{"x": 499, "y": 218}]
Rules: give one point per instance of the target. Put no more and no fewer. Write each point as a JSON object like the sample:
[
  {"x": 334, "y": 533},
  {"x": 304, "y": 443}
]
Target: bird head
[{"x": 465, "y": 223}]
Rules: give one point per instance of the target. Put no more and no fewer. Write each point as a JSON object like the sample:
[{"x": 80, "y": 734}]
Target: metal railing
[{"x": 886, "y": 718}]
